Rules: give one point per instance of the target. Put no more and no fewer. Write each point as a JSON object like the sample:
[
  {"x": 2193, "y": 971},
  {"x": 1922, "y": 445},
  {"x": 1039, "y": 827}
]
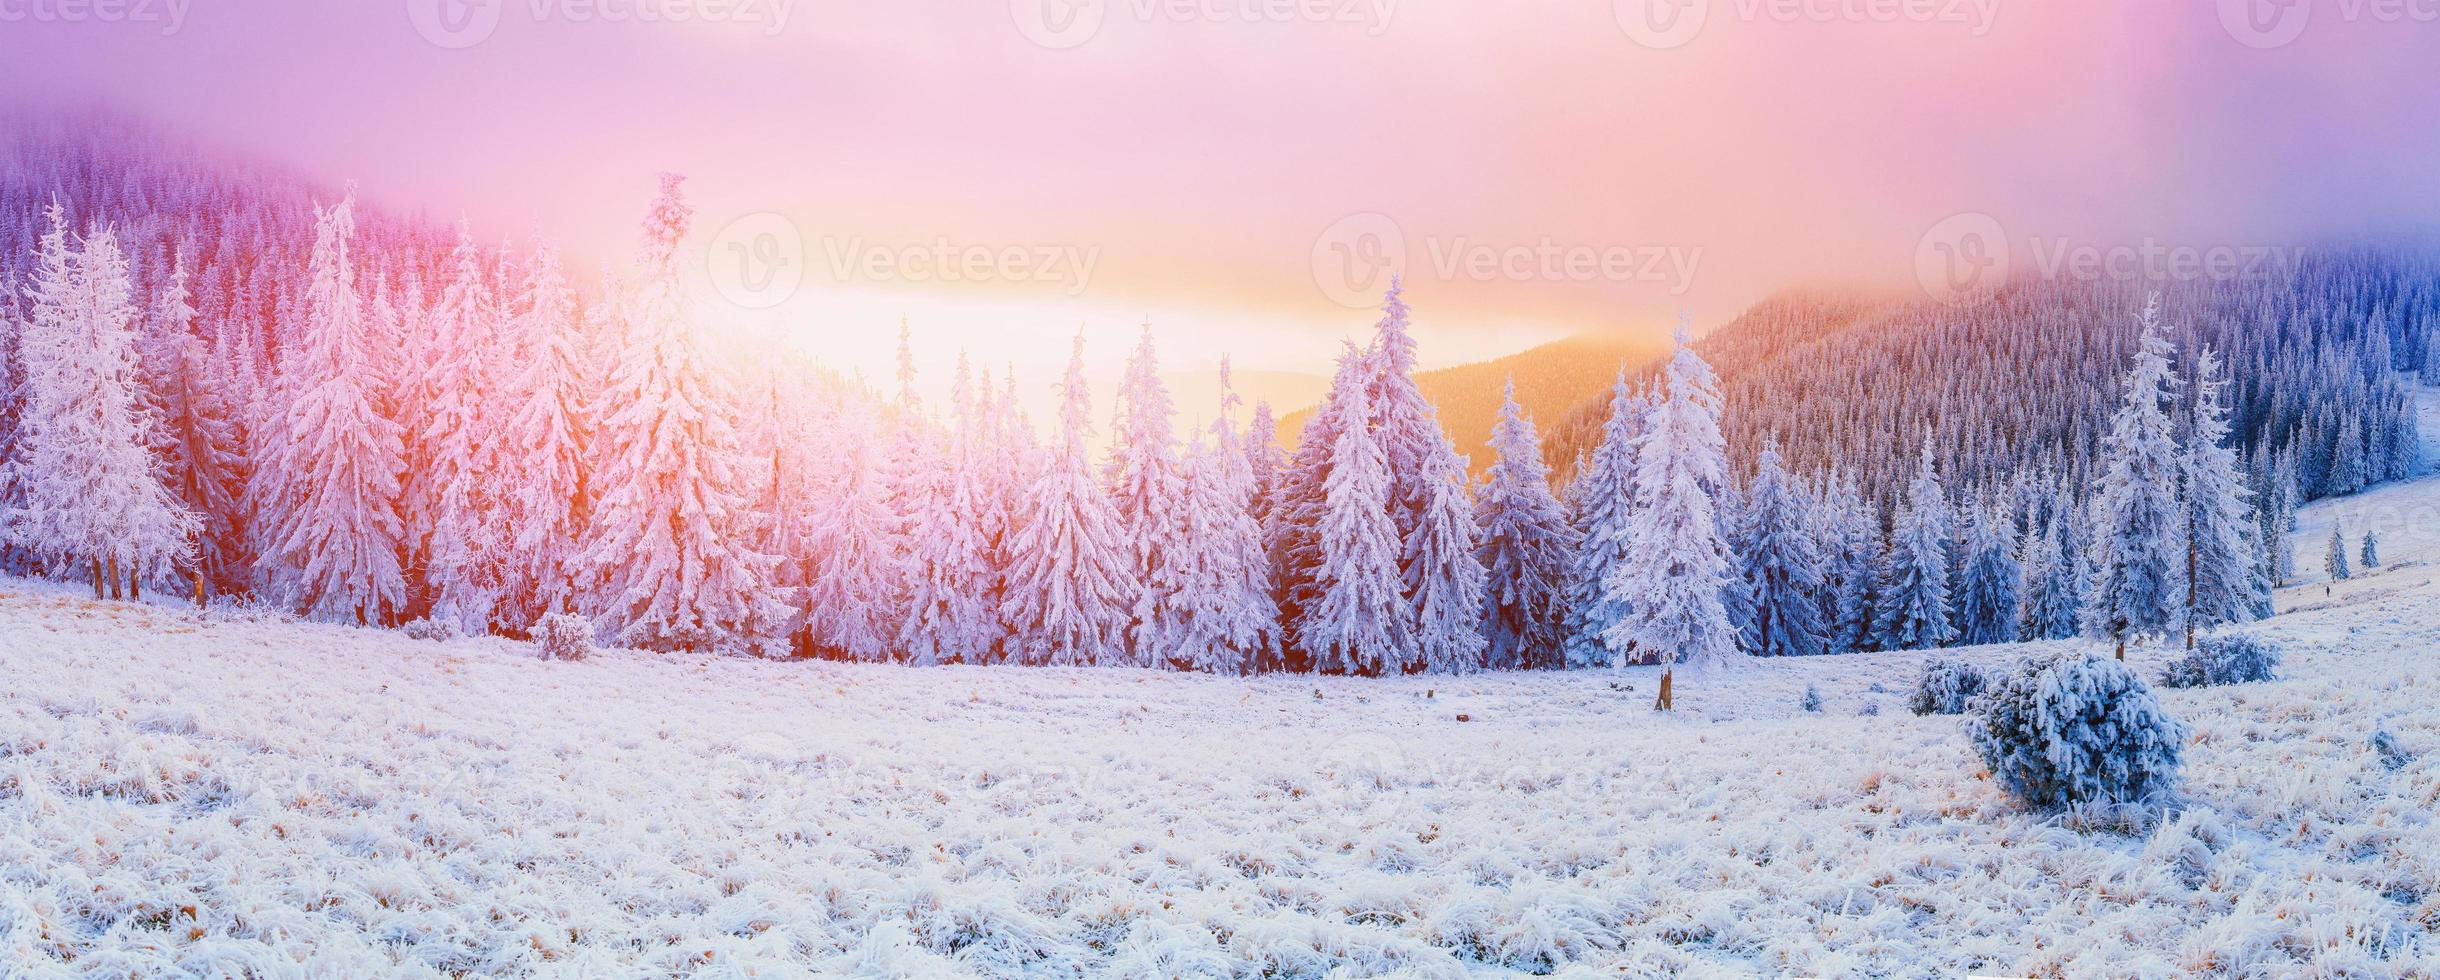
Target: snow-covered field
[{"x": 190, "y": 796}]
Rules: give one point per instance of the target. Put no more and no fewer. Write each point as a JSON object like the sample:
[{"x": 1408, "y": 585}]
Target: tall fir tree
[
  {"x": 1604, "y": 489},
  {"x": 1226, "y": 620},
  {"x": 1068, "y": 584},
  {"x": 1147, "y": 489},
  {"x": 1989, "y": 591},
  {"x": 196, "y": 439},
  {"x": 1780, "y": 563},
  {"x": 2139, "y": 560},
  {"x": 1525, "y": 541},
  {"x": 90, "y": 498},
  {"x": 326, "y": 486},
  {"x": 545, "y": 507},
  {"x": 1914, "y": 592},
  {"x": 1444, "y": 578},
  {"x": 1359, "y": 621},
  {"x": 1672, "y": 584},
  {"x": 2334, "y": 561},
  {"x": 950, "y": 614},
  {"x": 2052, "y": 609},
  {"x": 670, "y": 544},
  {"x": 2222, "y": 556}
]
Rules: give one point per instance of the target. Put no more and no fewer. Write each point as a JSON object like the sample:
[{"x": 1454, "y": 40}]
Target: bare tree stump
[{"x": 1664, "y": 703}]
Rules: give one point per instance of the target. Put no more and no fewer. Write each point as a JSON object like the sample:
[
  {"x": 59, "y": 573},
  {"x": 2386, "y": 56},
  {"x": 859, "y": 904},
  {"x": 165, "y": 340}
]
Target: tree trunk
[
  {"x": 97, "y": 578},
  {"x": 135, "y": 586},
  {"x": 1664, "y": 703},
  {"x": 198, "y": 590},
  {"x": 114, "y": 578},
  {"x": 2122, "y": 648}
]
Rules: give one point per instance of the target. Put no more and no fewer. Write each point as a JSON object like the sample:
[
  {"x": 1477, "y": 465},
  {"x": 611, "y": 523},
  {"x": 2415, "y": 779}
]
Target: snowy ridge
[{"x": 218, "y": 796}]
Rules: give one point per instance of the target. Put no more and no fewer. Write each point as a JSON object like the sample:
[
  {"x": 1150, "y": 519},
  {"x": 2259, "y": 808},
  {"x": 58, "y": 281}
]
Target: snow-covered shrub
[
  {"x": 429, "y": 629},
  {"x": 1946, "y": 686},
  {"x": 1812, "y": 701},
  {"x": 2224, "y": 658},
  {"x": 2076, "y": 729},
  {"x": 559, "y": 636},
  {"x": 2393, "y": 755}
]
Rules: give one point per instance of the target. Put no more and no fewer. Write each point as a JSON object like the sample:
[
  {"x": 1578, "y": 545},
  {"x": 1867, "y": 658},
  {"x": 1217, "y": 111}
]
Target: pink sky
[{"x": 1198, "y": 156}]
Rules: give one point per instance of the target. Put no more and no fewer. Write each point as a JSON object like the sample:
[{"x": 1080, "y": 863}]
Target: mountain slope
[{"x": 1550, "y": 379}]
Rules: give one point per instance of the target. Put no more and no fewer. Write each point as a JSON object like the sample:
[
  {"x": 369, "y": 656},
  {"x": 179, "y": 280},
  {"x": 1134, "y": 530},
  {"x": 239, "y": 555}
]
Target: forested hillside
[{"x": 1550, "y": 380}]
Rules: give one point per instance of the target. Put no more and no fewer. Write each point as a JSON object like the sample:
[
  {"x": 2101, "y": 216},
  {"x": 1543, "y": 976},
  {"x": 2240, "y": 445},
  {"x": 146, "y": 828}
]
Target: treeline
[{"x": 421, "y": 431}]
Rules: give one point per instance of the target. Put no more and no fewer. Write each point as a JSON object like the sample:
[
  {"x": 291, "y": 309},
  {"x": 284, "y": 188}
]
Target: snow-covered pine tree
[
  {"x": 455, "y": 495},
  {"x": 1359, "y": 621},
  {"x": 950, "y": 615},
  {"x": 1524, "y": 543},
  {"x": 1679, "y": 561},
  {"x": 854, "y": 605},
  {"x": 1067, "y": 582},
  {"x": 1854, "y": 568},
  {"x": 1914, "y": 588},
  {"x": 2334, "y": 561},
  {"x": 2222, "y": 563},
  {"x": 1780, "y": 563},
  {"x": 550, "y": 380},
  {"x": 2372, "y": 550},
  {"x": 1148, "y": 493},
  {"x": 1292, "y": 533},
  {"x": 1226, "y": 619},
  {"x": 1405, "y": 424},
  {"x": 196, "y": 439},
  {"x": 669, "y": 547},
  {"x": 2138, "y": 542},
  {"x": 1604, "y": 489},
  {"x": 2052, "y": 607},
  {"x": 1988, "y": 591},
  {"x": 325, "y": 490},
  {"x": 90, "y": 498},
  {"x": 1445, "y": 580}
]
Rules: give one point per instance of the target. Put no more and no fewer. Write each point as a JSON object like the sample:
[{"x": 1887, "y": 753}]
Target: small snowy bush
[
  {"x": 1946, "y": 686},
  {"x": 2224, "y": 658},
  {"x": 559, "y": 636},
  {"x": 2075, "y": 730},
  {"x": 1812, "y": 700},
  {"x": 429, "y": 629}
]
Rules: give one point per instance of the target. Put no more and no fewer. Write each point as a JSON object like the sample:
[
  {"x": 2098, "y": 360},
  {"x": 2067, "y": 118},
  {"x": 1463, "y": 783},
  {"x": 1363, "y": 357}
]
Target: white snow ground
[{"x": 181, "y": 795}]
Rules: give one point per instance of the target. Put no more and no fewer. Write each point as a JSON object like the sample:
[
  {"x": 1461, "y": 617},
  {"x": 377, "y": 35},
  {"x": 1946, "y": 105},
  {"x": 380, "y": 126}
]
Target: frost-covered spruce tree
[
  {"x": 1067, "y": 582},
  {"x": 1292, "y": 532},
  {"x": 452, "y": 497},
  {"x": 326, "y": 490},
  {"x": 1524, "y": 544},
  {"x": 2053, "y": 593},
  {"x": 1604, "y": 492},
  {"x": 1914, "y": 588},
  {"x": 1359, "y": 621},
  {"x": 2372, "y": 550},
  {"x": 2138, "y": 542},
  {"x": 1679, "y": 560},
  {"x": 669, "y": 550},
  {"x": 549, "y": 385},
  {"x": 196, "y": 439},
  {"x": 89, "y": 495},
  {"x": 951, "y": 616},
  {"x": 1445, "y": 581},
  {"x": 2077, "y": 729},
  {"x": 1227, "y": 619},
  {"x": 1854, "y": 564},
  {"x": 2221, "y": 562},
  {"x": 2334, "y": 561},
  {"x": 1780, "y": 563},
  {"x": 855, "y": 603},
  {"x": 1988, "y": 590},
  {"x": 1405, "y": 425},
  {"x": 1147, "y": 491}
]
